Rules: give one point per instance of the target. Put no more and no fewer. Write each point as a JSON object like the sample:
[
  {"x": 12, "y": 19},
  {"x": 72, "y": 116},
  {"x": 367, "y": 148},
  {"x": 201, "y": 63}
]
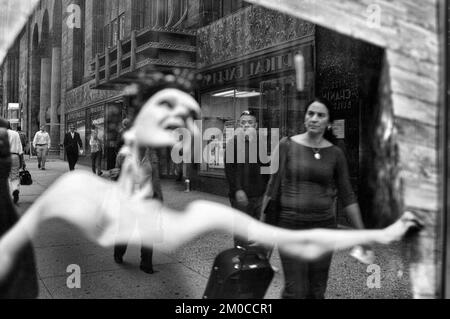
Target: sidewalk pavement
[{"x": 182, "y": 273}]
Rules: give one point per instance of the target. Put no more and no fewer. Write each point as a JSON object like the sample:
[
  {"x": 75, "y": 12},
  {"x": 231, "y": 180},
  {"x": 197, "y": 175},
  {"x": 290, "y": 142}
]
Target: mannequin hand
[
  {"x": 241, "y": 198},
  {"x": 398, "y": 230}
]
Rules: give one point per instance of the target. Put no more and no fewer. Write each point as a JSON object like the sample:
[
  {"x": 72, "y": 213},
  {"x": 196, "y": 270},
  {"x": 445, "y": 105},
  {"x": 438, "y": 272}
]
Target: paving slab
[{"x": 173, "y": 282}]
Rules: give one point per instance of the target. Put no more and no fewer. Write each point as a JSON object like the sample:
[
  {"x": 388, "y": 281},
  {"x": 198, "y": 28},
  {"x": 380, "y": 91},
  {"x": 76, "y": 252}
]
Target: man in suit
[{"x": 71, "y": 142}]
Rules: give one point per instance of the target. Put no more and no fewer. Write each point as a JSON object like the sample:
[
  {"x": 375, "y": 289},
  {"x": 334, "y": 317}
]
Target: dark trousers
[
  {"x": 96, "y": 158},
  {"x": 253, "y": 209},
  {"x": 146, "y": 250},
  {"x": 306, "y": 280},
  {"x": 146, "y": 254},
  {"x": 72, "y": 158}
]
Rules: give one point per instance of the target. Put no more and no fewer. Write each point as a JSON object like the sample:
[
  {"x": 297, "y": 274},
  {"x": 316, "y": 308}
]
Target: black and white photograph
[{"x": 202, "y": 150}]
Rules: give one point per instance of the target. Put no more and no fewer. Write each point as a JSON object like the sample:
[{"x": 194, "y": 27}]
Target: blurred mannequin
[{"x": 108, "y": 212}]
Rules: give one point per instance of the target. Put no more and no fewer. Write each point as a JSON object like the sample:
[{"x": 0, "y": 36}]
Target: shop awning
[{"x": 13, "y": 16}]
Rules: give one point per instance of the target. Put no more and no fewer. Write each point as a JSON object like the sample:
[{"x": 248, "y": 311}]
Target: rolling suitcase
[{"x": 239, "y": 273}]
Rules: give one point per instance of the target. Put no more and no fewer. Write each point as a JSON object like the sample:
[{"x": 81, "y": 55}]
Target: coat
[{"x": 71, "y": 144}]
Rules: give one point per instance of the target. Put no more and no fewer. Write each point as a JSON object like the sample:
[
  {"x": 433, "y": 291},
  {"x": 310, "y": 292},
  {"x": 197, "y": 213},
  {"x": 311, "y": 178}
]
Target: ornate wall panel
[
  {"x": 83, "y": 96},
  {"x": 251, "y": 29}
]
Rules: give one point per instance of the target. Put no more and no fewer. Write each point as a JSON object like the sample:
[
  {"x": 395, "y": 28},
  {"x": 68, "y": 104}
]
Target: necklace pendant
[{"x": 317, "y": 156}]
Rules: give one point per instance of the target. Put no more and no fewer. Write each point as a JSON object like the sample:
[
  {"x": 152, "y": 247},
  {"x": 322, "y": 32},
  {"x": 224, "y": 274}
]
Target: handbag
[{"x": 25, "y": 178}]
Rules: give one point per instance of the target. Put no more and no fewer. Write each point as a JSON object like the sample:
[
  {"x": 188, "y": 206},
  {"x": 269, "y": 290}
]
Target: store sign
[
  {"x": 343, "y": 99},
  {"x": 250, "y": 69},
  {"x": 83, "y": 96},
  {"x": 97, "y": 110}
]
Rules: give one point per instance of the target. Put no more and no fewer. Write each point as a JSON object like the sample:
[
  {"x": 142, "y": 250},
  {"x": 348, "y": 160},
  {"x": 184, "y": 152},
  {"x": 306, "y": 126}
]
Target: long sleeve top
[
  {"x": 308, "y": 187},
  {"x": 148, "y": 172},
  {"x": 150, "y": 169},
  {"x": 15, "y": 144},
  {"x": 95, "y": 144}
]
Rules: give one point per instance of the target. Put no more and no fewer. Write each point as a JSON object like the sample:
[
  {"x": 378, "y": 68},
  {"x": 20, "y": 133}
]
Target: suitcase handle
[{"x": 248, "y": 254}]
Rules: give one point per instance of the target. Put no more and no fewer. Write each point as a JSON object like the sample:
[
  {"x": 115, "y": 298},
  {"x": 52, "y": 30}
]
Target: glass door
[{"x": 282, "y": 108}]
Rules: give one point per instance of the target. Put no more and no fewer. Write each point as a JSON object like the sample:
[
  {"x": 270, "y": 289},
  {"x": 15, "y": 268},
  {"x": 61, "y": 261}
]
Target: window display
[{"x": 98, "y": 123}]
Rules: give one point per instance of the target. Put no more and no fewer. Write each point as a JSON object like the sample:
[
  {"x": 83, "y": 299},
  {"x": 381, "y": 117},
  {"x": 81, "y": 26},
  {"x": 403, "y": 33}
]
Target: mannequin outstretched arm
[{"x": 204, "y": 216}]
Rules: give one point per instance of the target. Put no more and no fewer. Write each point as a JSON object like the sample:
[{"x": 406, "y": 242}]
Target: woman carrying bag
[{"x": 301, "y": 196}]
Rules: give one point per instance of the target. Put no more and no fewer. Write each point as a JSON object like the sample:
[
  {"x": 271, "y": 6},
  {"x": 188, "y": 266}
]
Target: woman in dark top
[{"x": 312, "y": 169}]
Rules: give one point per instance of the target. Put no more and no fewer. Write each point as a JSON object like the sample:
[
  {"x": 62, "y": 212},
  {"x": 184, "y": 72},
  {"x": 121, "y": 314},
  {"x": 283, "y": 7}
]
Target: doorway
[{"x": 280, "y": 108}]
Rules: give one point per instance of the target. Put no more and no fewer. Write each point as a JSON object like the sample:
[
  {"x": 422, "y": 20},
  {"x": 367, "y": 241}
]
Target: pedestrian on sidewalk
[
  {"x": 41, "y": 143},
  {"x": 17, "y": 163},
  {"x": 73, "y": 146},
  {"x": 147, "y": 175},
  {"x": 312, "y": 171},
  {"x": 96, "y": 152},
  {"x": 20, "y": 281},
  {"x": 246, "y": 183}
]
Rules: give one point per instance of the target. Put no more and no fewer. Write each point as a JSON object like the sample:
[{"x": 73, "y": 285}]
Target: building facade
[{"x": 70, "y": 61}]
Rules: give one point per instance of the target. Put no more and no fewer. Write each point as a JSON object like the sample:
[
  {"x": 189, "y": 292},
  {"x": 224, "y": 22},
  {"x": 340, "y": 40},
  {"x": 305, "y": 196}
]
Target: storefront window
[
  {"x": 81, "y": 129},
  {"x": 97, "y": 123}
]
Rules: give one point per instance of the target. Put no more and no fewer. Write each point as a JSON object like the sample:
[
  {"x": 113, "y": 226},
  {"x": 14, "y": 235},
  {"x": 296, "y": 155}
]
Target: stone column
[
  {"x": 35, "y": 91},
  {"x": 46, "y": 75},
  {"x": 55, "y": 98}
]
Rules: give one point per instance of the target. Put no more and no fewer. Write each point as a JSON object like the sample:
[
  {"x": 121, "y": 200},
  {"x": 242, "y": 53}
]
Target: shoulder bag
[{"x": 272, "y": 210}]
